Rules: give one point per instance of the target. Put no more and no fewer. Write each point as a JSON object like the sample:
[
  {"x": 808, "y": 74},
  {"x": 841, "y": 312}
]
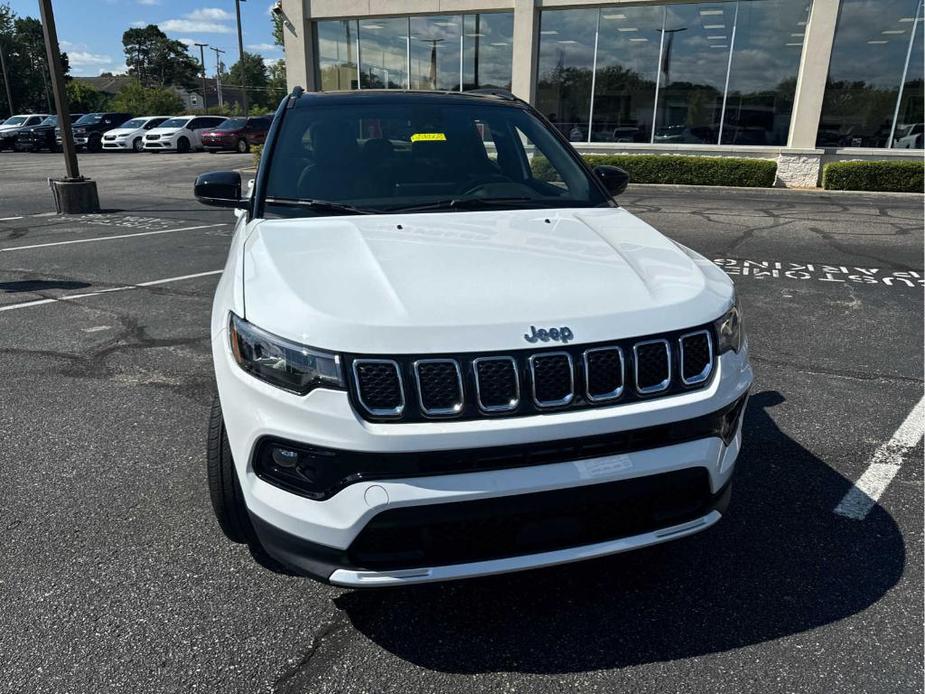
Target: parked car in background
[
  {"x": 237, "y": 134},
  {"x": 181, "y": 134},
  {"x": 910, "y": 137},
  {"x": 12, "y": 125},
  {"x": 88, "y": 131},
  {"x": 42, "y": 136},
  {"x": 130, "y": 135}
]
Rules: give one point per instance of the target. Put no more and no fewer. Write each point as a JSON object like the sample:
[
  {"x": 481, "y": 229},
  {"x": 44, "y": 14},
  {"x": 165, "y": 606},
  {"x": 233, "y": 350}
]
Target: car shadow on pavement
[
  {"x": 779, "y": 563},
  {"x": 20, "y": 286}
]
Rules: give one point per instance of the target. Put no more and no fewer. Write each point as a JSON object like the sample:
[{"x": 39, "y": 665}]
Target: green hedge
[
  {"x": 681, "y": 170},
  {"x": 888, "y": 176}
]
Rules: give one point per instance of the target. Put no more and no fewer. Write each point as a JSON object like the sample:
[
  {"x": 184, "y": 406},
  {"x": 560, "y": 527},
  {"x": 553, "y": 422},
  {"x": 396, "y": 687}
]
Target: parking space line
[
  {"x": 8, "y": 219},
  {"x": 884, "y": 464},
  {"x": 110, "y": 290},
  {"x": 109, "y": 238}
]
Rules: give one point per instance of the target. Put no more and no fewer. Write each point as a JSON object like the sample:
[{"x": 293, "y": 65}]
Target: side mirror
[
  {"x": 219, "y": 189},
  {"x": 614, "y": 178}
]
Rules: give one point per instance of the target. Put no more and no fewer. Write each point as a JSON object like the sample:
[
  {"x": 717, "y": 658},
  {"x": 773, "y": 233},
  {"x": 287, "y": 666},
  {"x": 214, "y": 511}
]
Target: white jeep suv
[
  {"x": 442, "y": 350},
  {"x": 130, "y": 135}
]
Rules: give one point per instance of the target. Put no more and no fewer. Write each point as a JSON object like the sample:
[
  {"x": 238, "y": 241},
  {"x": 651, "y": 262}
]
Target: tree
[
  {"x": 83, "y": 98},
  {"x": 156, "y": 60},
  {"x": 136, "y": 98},
  {"x": 251, "y": 71},
  {"x": 23, "y": 46}
]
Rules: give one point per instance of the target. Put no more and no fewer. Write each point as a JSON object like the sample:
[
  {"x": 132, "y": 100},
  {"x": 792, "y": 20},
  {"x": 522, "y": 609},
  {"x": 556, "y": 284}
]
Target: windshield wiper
[
  {"x": 463, "y": 204},
  {"x": 321, "y": 205}
]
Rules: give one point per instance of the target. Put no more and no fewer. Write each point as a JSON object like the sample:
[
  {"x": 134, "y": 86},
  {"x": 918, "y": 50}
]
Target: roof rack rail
[{"x": 492, "y": 91}]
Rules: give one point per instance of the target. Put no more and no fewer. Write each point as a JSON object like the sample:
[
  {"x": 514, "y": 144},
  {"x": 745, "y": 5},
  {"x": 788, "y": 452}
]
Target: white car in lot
[
  {"x": 438, "y": 359},
  {"x": 130, "y": 135},
  {"x": 180, "y": 134}
]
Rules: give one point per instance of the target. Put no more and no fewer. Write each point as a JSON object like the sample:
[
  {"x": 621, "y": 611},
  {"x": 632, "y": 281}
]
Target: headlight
[
  {"x": 282, "y": 363},
  {"x": 729, "y": 330}
]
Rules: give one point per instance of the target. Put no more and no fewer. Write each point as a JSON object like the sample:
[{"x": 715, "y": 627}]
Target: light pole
[
  {"x": 202, "y": 61},
  {"x": 74, "y": 193},
  {"x": 6, "y": 81},
  {"x": 218, "y": 75},
  {"x": 237, "y": 10}
]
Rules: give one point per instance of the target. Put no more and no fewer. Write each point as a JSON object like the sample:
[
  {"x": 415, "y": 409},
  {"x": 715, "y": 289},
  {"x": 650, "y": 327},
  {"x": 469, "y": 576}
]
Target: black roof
[{"x": 303, "y": 99}]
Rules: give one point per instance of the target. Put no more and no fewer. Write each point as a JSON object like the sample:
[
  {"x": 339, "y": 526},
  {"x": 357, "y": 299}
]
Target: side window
[
  {"x": 196, "y": 124},
  {"x": 34, "y": 120},
  {"x": 214, "y": 122}
]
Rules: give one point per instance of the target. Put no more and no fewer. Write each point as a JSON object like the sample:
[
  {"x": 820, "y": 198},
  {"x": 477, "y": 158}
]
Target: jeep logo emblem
[{"x": 563, "y": 334}]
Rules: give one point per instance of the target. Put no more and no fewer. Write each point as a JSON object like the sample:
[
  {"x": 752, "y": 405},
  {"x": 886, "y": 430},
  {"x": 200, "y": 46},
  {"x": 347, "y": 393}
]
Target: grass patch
[{"x": 881, "y": 176}]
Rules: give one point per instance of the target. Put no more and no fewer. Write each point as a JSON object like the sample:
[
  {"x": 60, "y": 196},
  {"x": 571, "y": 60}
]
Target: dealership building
[{"x": 803, "y": 82}]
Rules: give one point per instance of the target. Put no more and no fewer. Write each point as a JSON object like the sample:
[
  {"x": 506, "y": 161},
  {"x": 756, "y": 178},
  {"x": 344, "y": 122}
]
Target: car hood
[
  {"x": 472, "y": 281},
  {"x": 120, "y": 132},
  {"x": 164, "y": 131}
]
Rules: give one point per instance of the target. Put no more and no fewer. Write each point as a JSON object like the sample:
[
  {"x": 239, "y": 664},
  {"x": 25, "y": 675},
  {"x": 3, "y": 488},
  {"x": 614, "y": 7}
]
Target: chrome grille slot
[
  {"x": 497, "y": 385},
  {"x": 440, "y": 387},
  {"x": 652, "y": 366},
  {"x": 553, "y": 379},
  {"x": 379, "y": 386},
  {"x": 603, "y": 373},
  {"x": 696, "y": 357}
]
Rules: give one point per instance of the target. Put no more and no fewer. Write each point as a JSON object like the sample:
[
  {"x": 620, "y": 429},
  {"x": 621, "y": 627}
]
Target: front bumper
[
  {"x": 117, "y": 144},
  {"x": 159, "y": 145},
  {"x": 317, "y": 536}
]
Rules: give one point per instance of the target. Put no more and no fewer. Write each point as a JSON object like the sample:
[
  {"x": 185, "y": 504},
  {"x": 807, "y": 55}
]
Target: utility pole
[
  {"x": 73, "y": 194},
  {"x": 202, "y": 61},
  {"x": 218, "y": 75},
  {"x": 6, "y": 81},
  {"x": 237, "y": 9}
]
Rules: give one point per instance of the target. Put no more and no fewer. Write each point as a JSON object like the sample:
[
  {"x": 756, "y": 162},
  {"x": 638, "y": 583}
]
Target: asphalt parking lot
[{"x": 115, "y": 577}]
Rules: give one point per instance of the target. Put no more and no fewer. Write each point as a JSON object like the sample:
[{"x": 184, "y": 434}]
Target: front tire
[
  {"x": 243, "y": 146},
  {"x": 137, "y": 145},
  {"x": 183, "y": 145},
  {"x": 224, "y": 488},
  {"x": 95, "y": 144}
]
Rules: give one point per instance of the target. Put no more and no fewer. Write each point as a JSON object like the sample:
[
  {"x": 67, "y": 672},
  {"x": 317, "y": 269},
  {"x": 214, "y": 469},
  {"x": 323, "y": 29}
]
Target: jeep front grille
[
  {"x": 380, "y": 386},
  {"x": 531, "y": 382}
]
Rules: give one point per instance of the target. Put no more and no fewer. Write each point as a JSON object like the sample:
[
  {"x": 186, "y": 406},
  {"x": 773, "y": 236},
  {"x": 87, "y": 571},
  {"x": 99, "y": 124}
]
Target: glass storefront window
[
  {"x": 488, "y": 50},
  {"x": 696, "y": 43},
  {"x": 565, "y": 67},
  {"x": 436, "y": 50},
  {"x": 763, "y": 76},
  {"x": 337, "y": 54},
  {"x": 627, "y": 68},
  {"x": 910, "y": 119},
  {"x": 383, "y": 53},
  {"x": 869, "y": 57}
]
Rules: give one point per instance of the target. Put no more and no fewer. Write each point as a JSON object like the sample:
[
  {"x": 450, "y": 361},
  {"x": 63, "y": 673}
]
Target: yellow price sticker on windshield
[{"x": 428, "y": 137}]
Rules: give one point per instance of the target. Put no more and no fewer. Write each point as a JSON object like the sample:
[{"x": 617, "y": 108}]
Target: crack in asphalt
[
  {"x": 842, "y": 373},
  {"x": 310, "y": 663}
]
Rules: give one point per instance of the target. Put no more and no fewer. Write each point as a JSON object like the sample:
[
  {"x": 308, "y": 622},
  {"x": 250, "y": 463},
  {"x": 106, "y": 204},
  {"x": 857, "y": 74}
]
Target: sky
[{"x": 90, "y": 31}]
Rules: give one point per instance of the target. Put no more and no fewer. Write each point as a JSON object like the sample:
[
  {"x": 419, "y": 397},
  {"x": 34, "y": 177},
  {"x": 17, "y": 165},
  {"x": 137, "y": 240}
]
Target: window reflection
[
  {"x": 627, "y": 67},
  {"x": 908, "y": 132},
  {"x": 488, "y": 50},
  {"x": 763, "y": 76},
  {"x": 695, "y": 58},
  {"x": 337, "y": 55},
  {"x": 866, "y": 71},
  {"x": 436, "y": 44},
  {"x": 566, "y": 60},
  {"x": 383, "y": 53}
]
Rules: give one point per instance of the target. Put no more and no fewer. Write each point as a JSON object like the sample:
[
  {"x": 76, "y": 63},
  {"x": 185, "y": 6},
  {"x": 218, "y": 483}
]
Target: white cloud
[
  {"x": 190, "y": 25},
  {"x": 139, "y": 24},
  {"x": 209, "y": 13},
  {"x": 260, "y": 47},
  {"x": 84, "y": 59},
  {"x": 116, "y": 70},
  {"x": 188, "y": 42}
]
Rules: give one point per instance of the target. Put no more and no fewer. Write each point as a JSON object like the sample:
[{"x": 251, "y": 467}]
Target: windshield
[
  {"x": 135, "y": 123},
  {"x": 15, "y": 120},
  {"x": 51, "y": 120},
  {"x": 175, "y": 123},
  {"x": 232, "y": 124},
  {"x": 421, "y": 154},
  {"x": 90, "y": 119}
]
